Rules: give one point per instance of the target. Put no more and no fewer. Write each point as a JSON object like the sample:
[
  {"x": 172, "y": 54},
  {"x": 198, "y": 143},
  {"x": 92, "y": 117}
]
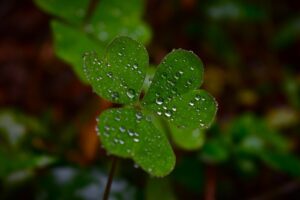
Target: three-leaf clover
[{"x": 118, "y": 76}]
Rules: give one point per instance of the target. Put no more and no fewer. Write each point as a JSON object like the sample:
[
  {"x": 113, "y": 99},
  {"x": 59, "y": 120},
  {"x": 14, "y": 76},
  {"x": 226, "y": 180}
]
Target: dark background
[{"x": 251, "y": 65}]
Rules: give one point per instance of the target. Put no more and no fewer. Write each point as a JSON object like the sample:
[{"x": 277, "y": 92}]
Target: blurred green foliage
[
  {"x": 80, "y": 28},
  {"x": 247, "y": 140},
  {"x": 17, "y": 158}
]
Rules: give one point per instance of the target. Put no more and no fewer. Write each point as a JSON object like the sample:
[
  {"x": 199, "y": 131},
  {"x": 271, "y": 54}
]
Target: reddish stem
[{"x": 210, "y": 184}]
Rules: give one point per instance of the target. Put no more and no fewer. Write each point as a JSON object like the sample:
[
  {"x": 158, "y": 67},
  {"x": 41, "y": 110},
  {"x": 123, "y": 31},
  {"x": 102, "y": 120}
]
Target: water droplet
[
  {"x": 192, "y": 68},
  {"x": 109, "y": 74},
  {"x": 174, "y": 109},
  {"x": 168, "y": 113},
  {"x": 122, "y": 129},
  {"x": 191, "y": 103},
  {"x": 99, "y": 78},
  {"x": 135, "y": 66},
  {"x": 130, "y": 93},
  {"x": 115, "y": 95},
  {"x": 139, "y": 115},
  {"x": 180, "y": 72},
  {"x": 170, "y": 82},
  {"x": 159, "y": 101},
  {"x": 163, "y": 75},
  {"x": 121, "y": 142},
  {"x": 159, "y": 113},
  {"x": 136, "y": 140},
  {"x": 130, "y": 132},
  {"x": 189, "y": 82},
  {"x": 197, "y": 97},
  {"x": 120, "y": 54},
  {"x": 117, "y": 118},
  {"x": 107, "y": 128}
]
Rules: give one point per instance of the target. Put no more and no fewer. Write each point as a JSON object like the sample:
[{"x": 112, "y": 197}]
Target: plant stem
[
  {"x": 210, "y": 185},
  {"x": 110, "y": 178},
  {"x": 90, "y": 10}
]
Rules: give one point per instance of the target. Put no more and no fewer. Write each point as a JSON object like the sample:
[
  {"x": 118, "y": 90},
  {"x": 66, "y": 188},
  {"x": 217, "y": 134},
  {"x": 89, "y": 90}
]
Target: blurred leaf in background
[
  {"x": 17, "y": 158},
  {"x": 90, "y": 25}
]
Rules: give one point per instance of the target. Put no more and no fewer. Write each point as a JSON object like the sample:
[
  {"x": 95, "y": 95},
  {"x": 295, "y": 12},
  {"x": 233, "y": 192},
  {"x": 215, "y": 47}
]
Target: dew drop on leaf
[
  {"x": 130, "y": 132},
  {"x": 115, "y": 95},
  {"x": 130, "y": 93},
  {"x": 138, "y": 115},
  {"x": 191, "y": 103},
  {"x": 121, "y": 142},
  {"x": 168, "y": 113},
  {"x": 107, "y": 128},
  {"x": 135, "y": 66},
  {"x": 159, "y": 101},
  {"x": 122, "y": 129},
  {"x": 109, "y": 74}
]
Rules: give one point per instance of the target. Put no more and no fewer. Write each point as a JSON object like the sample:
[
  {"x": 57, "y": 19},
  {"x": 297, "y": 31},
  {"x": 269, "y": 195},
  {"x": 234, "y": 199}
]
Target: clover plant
[{"x": 173, "y": 96}]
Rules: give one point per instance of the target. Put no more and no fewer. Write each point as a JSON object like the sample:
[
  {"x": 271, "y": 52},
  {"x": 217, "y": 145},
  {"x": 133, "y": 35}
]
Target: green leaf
[
  {"x": 72, "y": 11},
  {"x": 173, "y": 93},
  {"x": 285, "y": 162},
  {"x": 128, "y": 133},
  {"x": 110, "y": 18},
  {"x": 180, "y": 72},
  {"x": 193, "y": 109},
  {"x": 71, "y": 44},
  {"x": 119, "y": 74},
  {"x": 115, "y": 17},
  {"x": 188, "y": 139}
]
